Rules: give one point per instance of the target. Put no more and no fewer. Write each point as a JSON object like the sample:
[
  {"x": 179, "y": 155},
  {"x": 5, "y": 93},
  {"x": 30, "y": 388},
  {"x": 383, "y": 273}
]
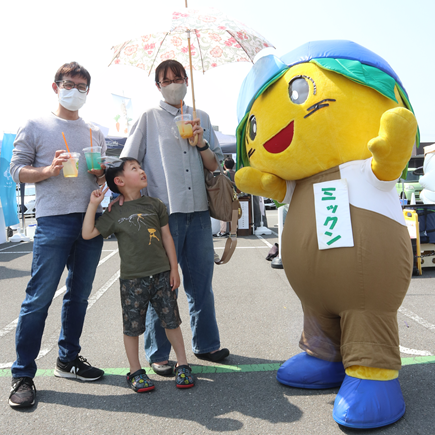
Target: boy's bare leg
[
  {"x": 131, "y": 345},
  {"x": 175, "y": 337}
]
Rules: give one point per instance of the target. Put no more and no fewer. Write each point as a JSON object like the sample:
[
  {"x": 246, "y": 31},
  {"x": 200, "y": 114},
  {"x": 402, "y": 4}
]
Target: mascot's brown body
[{"x": 329, "y": 131}]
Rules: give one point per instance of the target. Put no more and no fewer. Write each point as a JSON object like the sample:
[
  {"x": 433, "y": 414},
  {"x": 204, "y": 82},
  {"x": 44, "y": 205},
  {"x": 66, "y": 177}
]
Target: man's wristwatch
[{"x": 205, "y": 147}]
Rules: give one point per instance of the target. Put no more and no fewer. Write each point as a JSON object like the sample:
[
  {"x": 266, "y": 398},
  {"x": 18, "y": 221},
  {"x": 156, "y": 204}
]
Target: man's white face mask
[
  {"x": 71, "y": 99},
  {"x": 174, "y": 93}
]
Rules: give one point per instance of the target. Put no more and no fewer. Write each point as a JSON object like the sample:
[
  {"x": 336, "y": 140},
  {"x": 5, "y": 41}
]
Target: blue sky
[{"x": 37, "y": 37}]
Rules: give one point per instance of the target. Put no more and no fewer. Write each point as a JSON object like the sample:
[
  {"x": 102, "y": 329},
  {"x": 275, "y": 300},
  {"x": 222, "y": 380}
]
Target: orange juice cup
[
  {"x": 184, "y": 129},
  {"x": 71, "y": 166}
]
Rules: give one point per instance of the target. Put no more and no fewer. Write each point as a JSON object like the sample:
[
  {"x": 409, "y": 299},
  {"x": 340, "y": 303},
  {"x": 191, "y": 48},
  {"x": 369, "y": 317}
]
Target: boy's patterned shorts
[{"x": 137, "y": 293}]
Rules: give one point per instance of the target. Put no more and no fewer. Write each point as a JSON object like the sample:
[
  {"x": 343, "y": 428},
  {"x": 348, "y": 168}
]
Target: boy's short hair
[
  {"x": 72, "y": 69},
  {"x": 173, "y": 65},
  {"x": 113, "y": 172},
  {"x": 229, "y": 163}
]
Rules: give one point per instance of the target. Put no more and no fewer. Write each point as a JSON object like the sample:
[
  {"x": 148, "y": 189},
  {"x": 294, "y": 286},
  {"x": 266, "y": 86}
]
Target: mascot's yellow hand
[
  {"x": 393, "y": 147},
  {"x": 259, "y": 183}
]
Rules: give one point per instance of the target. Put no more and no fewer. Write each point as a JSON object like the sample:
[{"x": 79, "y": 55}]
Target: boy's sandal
[
  {"x": 183, "y": 377},
  {"x": 139, "y": 381}
]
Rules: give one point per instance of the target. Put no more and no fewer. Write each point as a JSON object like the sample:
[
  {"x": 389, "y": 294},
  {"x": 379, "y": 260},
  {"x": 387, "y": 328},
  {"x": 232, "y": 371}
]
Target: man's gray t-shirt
[
  {"x": 36, "y": 144},
  {"x": 174, "y": 168}
]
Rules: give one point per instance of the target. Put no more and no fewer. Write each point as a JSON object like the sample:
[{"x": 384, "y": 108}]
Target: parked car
[
  {"x": 29, "y": 199},
  {"x": 406, "y": 187},
  {"x": 269, "y": 204}
]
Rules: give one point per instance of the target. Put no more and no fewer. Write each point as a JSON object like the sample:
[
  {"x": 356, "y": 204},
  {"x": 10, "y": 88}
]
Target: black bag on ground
[{"x": 274, "y": 251}]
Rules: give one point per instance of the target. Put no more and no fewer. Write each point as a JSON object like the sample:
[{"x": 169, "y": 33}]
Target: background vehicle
[
  {"x": 406, "y": 187},
  {"x": 29, "y": 199},
  {"x": 269, "y": 204}
]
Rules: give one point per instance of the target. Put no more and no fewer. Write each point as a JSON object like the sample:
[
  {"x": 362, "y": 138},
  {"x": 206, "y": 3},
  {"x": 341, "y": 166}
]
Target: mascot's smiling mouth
[{"x": 281, "y": 141}]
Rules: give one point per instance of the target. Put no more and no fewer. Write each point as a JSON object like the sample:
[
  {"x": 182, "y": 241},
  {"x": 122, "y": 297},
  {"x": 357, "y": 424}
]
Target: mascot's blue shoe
[
  {"x": 366, "y": 404},
  {"x": 305, "y": 371}
]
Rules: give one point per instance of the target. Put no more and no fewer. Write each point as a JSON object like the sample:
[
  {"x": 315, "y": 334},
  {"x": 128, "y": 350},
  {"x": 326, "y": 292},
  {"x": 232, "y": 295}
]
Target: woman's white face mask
[
  {"x": 71, "y": 99},
  {"x": 174, "y": 93}
]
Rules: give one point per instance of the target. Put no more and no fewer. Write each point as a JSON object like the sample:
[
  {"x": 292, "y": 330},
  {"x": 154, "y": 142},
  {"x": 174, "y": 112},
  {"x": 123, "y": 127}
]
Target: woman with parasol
[{"x": 174, "y": 168}]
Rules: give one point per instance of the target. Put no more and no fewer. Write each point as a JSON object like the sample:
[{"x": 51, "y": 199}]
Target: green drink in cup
[{"x": 93, "y": 157}]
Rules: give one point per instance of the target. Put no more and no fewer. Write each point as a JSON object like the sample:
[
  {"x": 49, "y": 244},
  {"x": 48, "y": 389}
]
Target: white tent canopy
[{"x": 227, "y": 142}]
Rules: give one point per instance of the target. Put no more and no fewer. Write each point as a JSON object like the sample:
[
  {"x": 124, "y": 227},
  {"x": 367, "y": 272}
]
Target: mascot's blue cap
[{"x": 352, "y": 60}]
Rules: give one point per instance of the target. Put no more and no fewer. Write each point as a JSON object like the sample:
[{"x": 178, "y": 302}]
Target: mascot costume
[{"x": 328, "y": 128}]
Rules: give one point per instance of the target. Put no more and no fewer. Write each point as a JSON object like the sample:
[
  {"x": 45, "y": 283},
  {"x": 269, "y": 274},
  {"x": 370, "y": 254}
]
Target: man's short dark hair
[
  {"x": 113, "y": 172},
  {"x": 72, "y": 69},
  {"x": 229, "y": 163},
  {"x": 173, "y": 65}
]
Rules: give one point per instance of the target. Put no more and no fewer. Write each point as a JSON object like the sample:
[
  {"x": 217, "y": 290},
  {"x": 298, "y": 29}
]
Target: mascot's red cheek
[{"x": 281, "y": 141}]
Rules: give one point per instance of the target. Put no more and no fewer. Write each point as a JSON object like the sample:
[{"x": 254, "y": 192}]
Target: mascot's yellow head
[{"x": 315, "y": 108}]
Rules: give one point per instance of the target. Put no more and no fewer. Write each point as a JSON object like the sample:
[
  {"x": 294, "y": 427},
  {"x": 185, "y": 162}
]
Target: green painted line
[
  {"x": 418, "y": 360},
  {"x": 243, "y": 368},
  {"x": 119, "y": 371}
]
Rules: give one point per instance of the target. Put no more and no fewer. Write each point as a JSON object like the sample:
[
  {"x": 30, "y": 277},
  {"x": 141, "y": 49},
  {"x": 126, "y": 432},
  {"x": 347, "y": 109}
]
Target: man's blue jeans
[
  {"x": 58, "y": 243},
  {"x": 194, "y": 245}
]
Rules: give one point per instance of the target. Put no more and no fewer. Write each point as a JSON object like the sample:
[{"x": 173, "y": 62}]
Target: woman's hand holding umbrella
[
  {"x": 198, "y": 133},
  {"x": 207, "y": 155}
]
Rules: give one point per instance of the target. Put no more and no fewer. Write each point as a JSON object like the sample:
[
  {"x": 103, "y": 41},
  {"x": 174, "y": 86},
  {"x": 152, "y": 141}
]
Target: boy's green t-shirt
[{"x": 137, "y": 226}]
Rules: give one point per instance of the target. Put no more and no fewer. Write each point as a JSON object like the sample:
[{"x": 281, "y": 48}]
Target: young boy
[{"x": 149, "y": 269}]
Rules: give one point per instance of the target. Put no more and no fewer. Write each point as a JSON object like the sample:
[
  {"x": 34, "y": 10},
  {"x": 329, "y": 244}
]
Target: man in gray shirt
[
  {"x": 175, "y": 173},
  {"x": 60, "y": 208}
]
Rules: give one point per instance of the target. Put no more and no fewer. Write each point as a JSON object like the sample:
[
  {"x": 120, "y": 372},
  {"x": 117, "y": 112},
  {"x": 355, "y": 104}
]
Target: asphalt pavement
[{"x": 260, "y": 321}]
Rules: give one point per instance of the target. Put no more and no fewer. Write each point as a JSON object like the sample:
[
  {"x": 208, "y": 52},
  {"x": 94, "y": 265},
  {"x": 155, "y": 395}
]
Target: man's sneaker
[
  {"x": 139, "y": 381},
  {"x": 183, "y": 377},
  {"x": 77, "y": 369},
  {"x": 23, "y": 393}
]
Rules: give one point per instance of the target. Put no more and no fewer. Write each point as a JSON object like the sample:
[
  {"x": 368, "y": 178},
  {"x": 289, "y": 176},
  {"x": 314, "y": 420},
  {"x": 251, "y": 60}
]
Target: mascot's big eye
[
  {"x": 252, "y": 127},
  {"x": 298, "y": 90}
]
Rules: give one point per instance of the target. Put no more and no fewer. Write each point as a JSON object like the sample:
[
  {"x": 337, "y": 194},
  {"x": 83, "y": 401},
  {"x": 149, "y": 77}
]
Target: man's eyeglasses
[
  {"x": 178, "y": 81},
  {"x": 68, "y": 85}
]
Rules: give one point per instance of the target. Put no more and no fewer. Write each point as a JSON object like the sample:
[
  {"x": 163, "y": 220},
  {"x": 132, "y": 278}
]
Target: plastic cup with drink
[
  {"x": 71, "y": 166},
  {"x": 184, "y": 128},
  {"x": 93, "y": 157}
]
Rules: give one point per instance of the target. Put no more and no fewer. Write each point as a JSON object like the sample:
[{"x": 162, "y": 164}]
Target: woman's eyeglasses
[{"x": 178, "y": 81}]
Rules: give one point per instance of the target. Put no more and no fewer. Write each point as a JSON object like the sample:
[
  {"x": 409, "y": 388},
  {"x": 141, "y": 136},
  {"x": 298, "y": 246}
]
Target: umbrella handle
[{"x": 193, "y": 141}]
